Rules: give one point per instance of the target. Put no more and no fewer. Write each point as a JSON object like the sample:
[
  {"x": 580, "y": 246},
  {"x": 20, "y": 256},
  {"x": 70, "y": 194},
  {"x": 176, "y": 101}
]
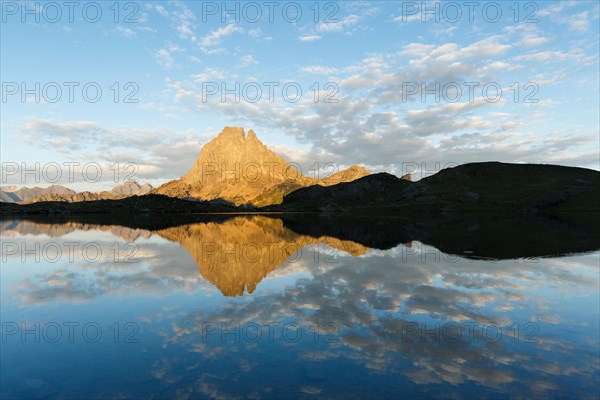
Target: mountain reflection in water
[{"x": 371, "y": 297}]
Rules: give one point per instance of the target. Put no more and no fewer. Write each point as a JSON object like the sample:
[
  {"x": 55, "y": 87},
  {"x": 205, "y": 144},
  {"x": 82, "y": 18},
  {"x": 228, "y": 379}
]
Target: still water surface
[{"x": 246, "y": 307}]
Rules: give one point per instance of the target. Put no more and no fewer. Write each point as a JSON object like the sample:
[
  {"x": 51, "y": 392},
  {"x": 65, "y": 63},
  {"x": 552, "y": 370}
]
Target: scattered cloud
[
  {"x": 318, "y": 70},
  {"x": 338, "y": 26},
  {"x": 577, "y": 21},
  {"x": 216, "y": 37},
  {"x": 160, "y": 153},
  {"x": 125, "y": 31},
  {"x": 161, "y": 10},
  {"x": 247, "y": 60},
  {"x": 164, "y": 56},
  {"x": 309, "y": 38}
]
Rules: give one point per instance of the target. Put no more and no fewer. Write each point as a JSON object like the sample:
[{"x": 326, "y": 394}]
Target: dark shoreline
[{"x": 468, "y": 235}]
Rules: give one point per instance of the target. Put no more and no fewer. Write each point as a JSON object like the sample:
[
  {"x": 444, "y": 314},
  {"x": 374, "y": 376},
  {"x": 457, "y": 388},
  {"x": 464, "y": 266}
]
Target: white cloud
[
  {"x": 160, "y": 153},
  {"x": 339, "y": 26},
  {"x": 531, "y": 40},
  {"x": 182, "y": 18},
  {"x": 146, "y": 29},
  {"x": 312, "y": 33},
  {"x": 556, "y": 8},
  {"x": 574, "y": 55},
  {"x": 161, "y": 10},
  {"x": 209, "y": 75},
  {"x": 255, "y": 33},
  {"x": 216, "y": 37},
  {"x": 247, "y": 60},
  {"x": 125, "y": 31},
  {"x": 218, "y": 50},
  {"x": 373, "y": 124},
  {"x": 580, "y": 22},
  {"x": 164, "y": 56},
  {"x": 318, "y": 70},
  {"x": 309, "y": 38},
  {"x": 483, "y": 48}
]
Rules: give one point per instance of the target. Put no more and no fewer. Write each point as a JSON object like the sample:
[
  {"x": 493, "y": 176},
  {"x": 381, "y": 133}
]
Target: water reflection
[
  {"x": 270, "y": 307},
  {"x": 237, "y": 254}
]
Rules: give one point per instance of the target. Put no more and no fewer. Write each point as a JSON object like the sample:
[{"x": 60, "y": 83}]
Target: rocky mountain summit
[
  {"x": 131, "y": 188},
  {"x": 238, "y": 168}
]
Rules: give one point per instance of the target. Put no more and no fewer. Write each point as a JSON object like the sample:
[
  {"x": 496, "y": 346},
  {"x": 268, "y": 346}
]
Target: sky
[{"x": 96, "y": 92}]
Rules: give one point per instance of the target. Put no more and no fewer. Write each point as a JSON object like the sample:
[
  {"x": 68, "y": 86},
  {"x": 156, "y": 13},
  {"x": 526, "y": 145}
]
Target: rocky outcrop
[
  {"x": 130, "y": 188},
  {"x": 73, "y": 198}
]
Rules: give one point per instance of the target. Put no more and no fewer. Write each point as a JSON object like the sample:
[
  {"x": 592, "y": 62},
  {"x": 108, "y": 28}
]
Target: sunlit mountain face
[{"x": 277, "y": 306}]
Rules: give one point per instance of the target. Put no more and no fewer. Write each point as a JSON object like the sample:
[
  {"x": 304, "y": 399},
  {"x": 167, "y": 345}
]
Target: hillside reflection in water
[{"x": 268, "y": 307}]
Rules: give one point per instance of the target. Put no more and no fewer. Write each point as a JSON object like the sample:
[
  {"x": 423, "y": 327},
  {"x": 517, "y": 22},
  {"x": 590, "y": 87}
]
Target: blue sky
[{"x": 367, "y": 56}]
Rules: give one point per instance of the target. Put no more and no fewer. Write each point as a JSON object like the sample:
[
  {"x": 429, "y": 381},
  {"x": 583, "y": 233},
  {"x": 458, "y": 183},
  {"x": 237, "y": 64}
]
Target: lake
[{"x": 273, "y": 306}]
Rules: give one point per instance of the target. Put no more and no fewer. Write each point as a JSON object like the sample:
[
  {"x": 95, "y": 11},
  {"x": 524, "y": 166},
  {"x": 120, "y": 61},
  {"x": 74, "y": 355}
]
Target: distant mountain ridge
[
  {"x": 61, "y": 193},
  {"x": 126, "y": 189},
  {"x": 238, "y": 168},
  {"x": 11, "y": 194}
]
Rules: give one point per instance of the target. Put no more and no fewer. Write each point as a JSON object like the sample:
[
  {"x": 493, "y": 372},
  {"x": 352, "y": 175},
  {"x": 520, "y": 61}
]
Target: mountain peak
[
  {"x": 232, "y": 133},
  {"x": 358, "y": 168},
  {"x": 346, "y": 175},
  {"x": 130, "y": 187},
  {"x": 239, "y": 168},
  {"x": 237, "y": 133}
]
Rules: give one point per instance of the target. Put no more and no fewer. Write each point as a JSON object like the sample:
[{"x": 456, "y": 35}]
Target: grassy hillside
[
  {"x": 516, "y": 186},
  {"x": 152, "y": 204},
  {"x": 489, "y": 186},
  {"x": 370, "y": 191}
]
